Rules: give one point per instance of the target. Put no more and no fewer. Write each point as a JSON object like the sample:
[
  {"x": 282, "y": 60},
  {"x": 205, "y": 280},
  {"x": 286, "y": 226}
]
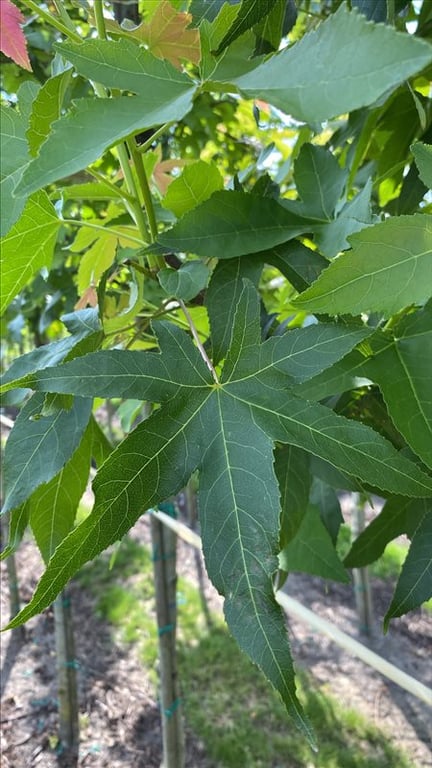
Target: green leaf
[
  {"x": 312, "y": 550},
  {"x": 402, "y": 368},
  {"x": 249, "y": 14},
  {"x": 91, "y": 127},
  {"x": 320, "y": 182},
  {"x": 128, "y": 67},
  {"x": 223, "y": 294},
  {"x": 81, "y": 324},
  {"x": 301, "y": 353},
  {"x": 355, "y": 215},
  {"x": 46, "y": 108},
  {"x": 196, "y": 184},
  {"x": 184, "y": 283},
  {"x": 387, "y": 269},
  {"x": 18, "y": 522},
  {"x": 348, "y": 373},
  {"x": 39, "y": 446},
  {"x": 293, "y": 475},
  {"x": 414, "y": 586},
  {"x": 28, "y": 246},
  {"x": 53, "y": 506},
  {"x": 399, "y": 515},
  {"x": 239, "y": 515},
  {"x": 326, "y": 499},
  {"x": 299, "y": 264},
  {"x": 310, "y": 80},
  {"x": 14, "y": 158},
  {"x": 423, "y": 157},
  {"x": 226, "y": 430},
  {"x": 231, "y": 224}
]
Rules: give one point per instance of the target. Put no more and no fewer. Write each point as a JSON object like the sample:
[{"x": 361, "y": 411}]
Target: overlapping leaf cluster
[{"x": 262, "y": 419}]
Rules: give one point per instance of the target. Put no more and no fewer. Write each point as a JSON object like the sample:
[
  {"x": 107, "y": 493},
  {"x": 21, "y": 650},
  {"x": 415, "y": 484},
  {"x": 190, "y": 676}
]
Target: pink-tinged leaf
[
  {"x": 167, "y": 35},
  {"x": 12, "y": 39}
]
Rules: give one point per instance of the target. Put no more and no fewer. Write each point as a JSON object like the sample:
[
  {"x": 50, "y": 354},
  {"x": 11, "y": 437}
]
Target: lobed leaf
[
  {"x": 231, "y": 224},
  {"x": 28, "y": 246},
  {"x": 388, "y": 268},
  {"x": 39, "y": 446},
  {"x": 345, "y": 64},
  {"x": 414, "y": 586}
]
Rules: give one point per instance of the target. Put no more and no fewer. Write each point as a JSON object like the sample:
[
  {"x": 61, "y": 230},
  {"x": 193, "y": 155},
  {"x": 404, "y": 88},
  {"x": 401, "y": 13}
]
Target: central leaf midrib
[{"x": 250, "y": 589}]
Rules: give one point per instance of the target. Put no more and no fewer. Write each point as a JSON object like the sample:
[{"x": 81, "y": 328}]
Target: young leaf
[
  {"x": 184, "y": 283},
  {"x": 312, "y": 550},
  {"x": 310, "y": 80},
  {"x": 167, "y": 36},
  {"x": 231, "y": 224},
  {"x": 13, "y": 42},
  {"x": 387, "y": 269},
  {"x": 320, "y": 182},
  {"x": 196, "y": 184},
  {"x": 28, "y": 246},
  {"x": 46, "y": 108},
  {"x": 39, "y": 446},
  {"x": 414, "y": 586},
  {"x": 249, "y": 14}
]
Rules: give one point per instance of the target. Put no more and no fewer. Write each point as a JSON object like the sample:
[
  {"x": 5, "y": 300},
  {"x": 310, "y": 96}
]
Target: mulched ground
[{"x": 120, "y": 725}]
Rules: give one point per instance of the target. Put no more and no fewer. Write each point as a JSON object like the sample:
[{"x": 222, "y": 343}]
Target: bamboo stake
[
  {"x": 164, "y": 564},
  {"x": 289, "y": 605},
  {"x": 66, "y": 679}
]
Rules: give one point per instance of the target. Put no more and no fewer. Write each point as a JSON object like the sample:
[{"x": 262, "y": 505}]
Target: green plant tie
[
  {"x": 156, "y": 557},
  {"x": 73, "y": 664},
  {"x": 165, "y": 629},
  {"x": 170, "y": 710}
]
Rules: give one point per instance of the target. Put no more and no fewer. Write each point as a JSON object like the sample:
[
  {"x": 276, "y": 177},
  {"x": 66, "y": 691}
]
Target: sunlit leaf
[
  {"x": 345, "y": 64},
  {"x": 388, "y": 268},
  {"x": 28, "y": 246},
  {"x": 167, "y": 36}
]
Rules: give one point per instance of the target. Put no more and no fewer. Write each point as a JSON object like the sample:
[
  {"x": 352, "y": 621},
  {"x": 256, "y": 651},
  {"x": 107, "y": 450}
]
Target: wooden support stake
[
  {"x": 362, "y": 586},
  {"x": 164, "y": 564},
  {"x": 66, "y": 679}
]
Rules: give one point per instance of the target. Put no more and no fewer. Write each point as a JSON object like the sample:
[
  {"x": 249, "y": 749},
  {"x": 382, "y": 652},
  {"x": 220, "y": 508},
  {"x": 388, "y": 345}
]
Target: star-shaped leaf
[
  {"x": 226, "y": 430},
  {"x": 167, "y": 36}
]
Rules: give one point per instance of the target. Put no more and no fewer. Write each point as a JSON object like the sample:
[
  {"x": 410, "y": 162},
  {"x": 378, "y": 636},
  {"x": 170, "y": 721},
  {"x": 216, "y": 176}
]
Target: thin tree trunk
[
  {"x": 362, "y": 587},
  {"x": 164, "y": 562},
  {"x": 66, "y": 679}
]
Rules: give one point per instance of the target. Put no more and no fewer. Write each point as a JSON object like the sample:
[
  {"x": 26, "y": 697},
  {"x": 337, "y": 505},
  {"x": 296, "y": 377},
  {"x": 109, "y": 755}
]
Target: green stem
[
  {"x": 52, "y": 20},
  {"x": 138, "y": 213},
  {"x": 147, "y": 144},
  {"x": 194, "y": 332},
  {"x": 80, "y": 223},
  {"x": 155, "y": 261},
  {"x": 99, "y": 18},
  {"x": 62, "y": 12}
]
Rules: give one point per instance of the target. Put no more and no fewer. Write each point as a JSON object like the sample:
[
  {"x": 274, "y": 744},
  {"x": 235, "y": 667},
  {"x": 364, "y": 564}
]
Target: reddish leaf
[
  {"x": 167, "y": 37},
  {"x": 12, "y": 40}
]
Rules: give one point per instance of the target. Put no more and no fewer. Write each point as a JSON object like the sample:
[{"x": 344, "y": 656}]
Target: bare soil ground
[{"x": 120, "y": 724}]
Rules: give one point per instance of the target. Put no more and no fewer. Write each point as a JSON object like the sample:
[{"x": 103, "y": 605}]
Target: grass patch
[{"x": 227, "y": 701}]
